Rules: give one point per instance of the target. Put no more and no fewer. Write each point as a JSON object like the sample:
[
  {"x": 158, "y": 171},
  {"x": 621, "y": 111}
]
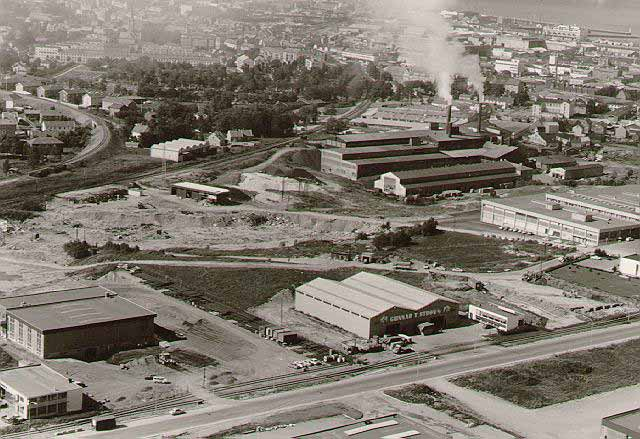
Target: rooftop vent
[{"x": 553, "y": 206}]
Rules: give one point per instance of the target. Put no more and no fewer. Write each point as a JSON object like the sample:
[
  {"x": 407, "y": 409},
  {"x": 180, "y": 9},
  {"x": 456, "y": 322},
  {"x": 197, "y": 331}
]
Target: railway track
[
  {"x": 144, "y": 410},
  {"x": 585, "y": 327},
  {"x": 290, "y": 381}
]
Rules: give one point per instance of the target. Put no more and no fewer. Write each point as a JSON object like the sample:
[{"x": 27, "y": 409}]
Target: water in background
[{"x": 616, "y": 15}]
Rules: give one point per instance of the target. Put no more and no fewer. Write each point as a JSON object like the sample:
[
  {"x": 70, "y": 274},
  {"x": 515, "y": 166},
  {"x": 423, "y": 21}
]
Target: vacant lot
[
  {"x": 304, "y": 249},
  {"x": 475, "y": 253},
  {"x": 423, "y": 394},
  {"x": 599, "y": 280},
  {"x": 564, "y": 378},
  {"x": 234, "y": 290}
]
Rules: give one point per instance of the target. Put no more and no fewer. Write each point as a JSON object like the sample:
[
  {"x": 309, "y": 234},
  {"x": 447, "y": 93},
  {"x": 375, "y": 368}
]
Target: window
[
  {"x": 62, "y": 395},
  {"x": 62, "y": 407}
]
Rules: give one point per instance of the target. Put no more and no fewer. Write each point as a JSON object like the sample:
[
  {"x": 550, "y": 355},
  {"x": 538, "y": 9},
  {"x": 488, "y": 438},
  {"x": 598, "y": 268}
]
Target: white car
[{"x": 176, "y": 412}]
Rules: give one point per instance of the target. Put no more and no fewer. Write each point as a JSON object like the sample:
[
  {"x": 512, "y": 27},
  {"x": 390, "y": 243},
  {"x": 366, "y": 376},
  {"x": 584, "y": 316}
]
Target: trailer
[{"x": 103, "y": 423}]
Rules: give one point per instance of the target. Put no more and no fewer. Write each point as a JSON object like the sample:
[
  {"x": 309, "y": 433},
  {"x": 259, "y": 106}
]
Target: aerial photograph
[{"x": 320, "y": 219}]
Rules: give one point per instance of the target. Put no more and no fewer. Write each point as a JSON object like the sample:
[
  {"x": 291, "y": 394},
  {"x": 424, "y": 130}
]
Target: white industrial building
[
  {"x": 37, "y": 391},
  {"x": 369, "y": 305},
  {"x": 502, "y": 318},
  {"x": 630, "y": 265},
  {"x": 588, "y": 216},
  {"x": 178, "y": 150}
]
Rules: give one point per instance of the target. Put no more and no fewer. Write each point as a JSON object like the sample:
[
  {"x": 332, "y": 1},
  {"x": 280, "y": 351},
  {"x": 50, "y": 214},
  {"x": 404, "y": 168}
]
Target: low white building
[
  {"x": 630, "y": 265},
  {"x": 502, "y": 318},
  {"x": 178, "y": 150},
  {"x": 37, "y": 391}
]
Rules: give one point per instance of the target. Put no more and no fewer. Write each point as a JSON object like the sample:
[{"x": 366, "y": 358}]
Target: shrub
[{"x": 78, "y": 249}]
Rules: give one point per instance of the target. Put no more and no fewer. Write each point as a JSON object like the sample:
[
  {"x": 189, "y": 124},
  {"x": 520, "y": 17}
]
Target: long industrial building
[
  {"x": 432, "y": 181},
  {"x": 86, "y": 323},
  {"x": 369, "y": 305},
  {"x": 591, "y": 216}
]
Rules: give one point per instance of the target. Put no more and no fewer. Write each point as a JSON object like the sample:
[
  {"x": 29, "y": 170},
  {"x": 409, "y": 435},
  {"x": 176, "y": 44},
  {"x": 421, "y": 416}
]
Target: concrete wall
[{"x": 97, "y": 341}]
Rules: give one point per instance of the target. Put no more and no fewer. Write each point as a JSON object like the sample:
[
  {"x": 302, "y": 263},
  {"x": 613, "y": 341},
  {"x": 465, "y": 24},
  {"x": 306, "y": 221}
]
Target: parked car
[{"x": 176, "y": 412}]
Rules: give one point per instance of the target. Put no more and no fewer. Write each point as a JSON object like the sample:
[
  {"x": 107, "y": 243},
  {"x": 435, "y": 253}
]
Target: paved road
[{"x": 347, "y": 388}]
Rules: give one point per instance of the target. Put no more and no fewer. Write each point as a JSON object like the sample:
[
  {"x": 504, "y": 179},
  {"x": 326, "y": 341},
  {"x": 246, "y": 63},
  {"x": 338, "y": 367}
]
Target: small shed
[{"x": 199, "y": 192}]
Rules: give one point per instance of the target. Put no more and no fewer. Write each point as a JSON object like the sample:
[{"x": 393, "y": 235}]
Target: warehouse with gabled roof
[{"x": 371, "y": 305}]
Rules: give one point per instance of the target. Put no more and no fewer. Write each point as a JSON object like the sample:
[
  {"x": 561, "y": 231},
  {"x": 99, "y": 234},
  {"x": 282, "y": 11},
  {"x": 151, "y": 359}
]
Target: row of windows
[{"x": 48, "y": 410}]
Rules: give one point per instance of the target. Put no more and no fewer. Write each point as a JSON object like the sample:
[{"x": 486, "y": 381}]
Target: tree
[
  {"x": 78, "y": 249},
  {"x": 35, "y": 157},
  {"x": 335, "y": 126},
  {"x": 522, "y": 98}
]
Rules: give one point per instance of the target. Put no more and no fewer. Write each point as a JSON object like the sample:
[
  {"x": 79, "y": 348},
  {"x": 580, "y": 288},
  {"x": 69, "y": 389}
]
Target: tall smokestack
[
  {"x": 479, "y": 116},
  {"x": 448, "y": 126}
]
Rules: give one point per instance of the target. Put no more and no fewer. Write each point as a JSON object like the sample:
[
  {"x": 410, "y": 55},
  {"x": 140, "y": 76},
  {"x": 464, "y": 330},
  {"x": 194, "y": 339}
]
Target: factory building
[
  {"x": 179, "y": 150},
  {"x": 37, "y": 391},
  {"x": 369, "y": 305},
  {"x": 589, "y": 217},
  {"x": 463, "y": 178},
  {"x": 86, "y": 323},
  {"x": 407, "y": 137}
]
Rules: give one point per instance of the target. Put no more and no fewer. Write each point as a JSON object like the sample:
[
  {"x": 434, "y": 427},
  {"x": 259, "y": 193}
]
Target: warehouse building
[
  {"x": 37, "y": 391},
  {"x": 463, "y": 178},
  {"x": 199, "y": 192},
  {"x": 86, "y": 323},
  {"x": 586, "y": 170},
  {"x": 589, "y": 216},
  {"x": 369, "y": 305},
  {"x": 179, "y": 150}
]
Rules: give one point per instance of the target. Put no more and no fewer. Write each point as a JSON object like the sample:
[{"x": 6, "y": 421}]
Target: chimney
[
  {"x": 448, "y": 128},
  {"x": 479, "y": 116}
]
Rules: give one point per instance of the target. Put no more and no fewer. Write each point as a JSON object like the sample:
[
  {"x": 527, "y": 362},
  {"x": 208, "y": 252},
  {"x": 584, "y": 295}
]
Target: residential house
[
  {"x": 239, "y": 135},
  {"x": 57, "y": 127},
  {"x": 19, "y": 69}
]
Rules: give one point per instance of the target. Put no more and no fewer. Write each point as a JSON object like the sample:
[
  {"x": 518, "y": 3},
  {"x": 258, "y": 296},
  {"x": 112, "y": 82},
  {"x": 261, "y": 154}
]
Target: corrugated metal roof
[{"x": 370, "y": 294}]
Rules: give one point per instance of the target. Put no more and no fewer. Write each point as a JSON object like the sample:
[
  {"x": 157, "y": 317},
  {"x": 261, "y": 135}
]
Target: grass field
[
  {"x": 232, "y": 291},
  {"x": 563, "y": 378},
  {"x": 475, "y": 253},
  {"x": 300, "y": 250},
  {"x": 599, "y": 280}
]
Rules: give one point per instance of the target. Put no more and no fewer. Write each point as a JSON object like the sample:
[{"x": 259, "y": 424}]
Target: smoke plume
[{"x": 426, "y": 44}]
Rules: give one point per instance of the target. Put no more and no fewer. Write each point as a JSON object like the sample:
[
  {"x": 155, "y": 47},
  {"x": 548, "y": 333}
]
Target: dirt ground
[{"x": 551, "y": 422}]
